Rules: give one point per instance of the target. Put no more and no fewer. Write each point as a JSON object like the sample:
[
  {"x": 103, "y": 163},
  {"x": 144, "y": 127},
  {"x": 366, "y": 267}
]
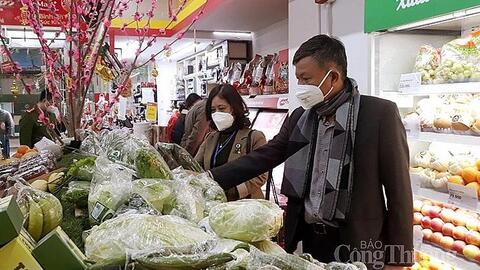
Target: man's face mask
[{"x": 311, "y": 95}]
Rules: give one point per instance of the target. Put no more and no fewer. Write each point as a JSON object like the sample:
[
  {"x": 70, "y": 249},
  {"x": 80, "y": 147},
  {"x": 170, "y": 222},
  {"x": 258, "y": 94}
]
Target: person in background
[
  {"x": 346, "y": 172},
  {"x": 7, "y": 127},
  {"x": 196, "y": 125},
  {"x": 232, "y": 138},
  {"x": 31, "y": 130},
  {"x": 179, "y": 127},
  {"x": 171, "y": 122}
]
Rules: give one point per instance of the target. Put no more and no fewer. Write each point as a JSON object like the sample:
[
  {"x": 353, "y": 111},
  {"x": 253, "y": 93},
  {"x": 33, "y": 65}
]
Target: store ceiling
[{"x": 243, "y": 15}]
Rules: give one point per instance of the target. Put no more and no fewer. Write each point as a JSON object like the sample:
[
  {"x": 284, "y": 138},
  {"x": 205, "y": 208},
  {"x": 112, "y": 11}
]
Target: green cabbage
[
  {"x": 110, "y": 242},
  {"x": 269, "y": 247},
  {"x": 155, "y": 191},
  {"x": 246, "y": 220}
]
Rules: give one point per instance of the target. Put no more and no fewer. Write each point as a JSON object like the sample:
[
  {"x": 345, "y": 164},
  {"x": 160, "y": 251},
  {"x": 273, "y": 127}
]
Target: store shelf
[
  {"x": 447, "y": 257},
  {"x": 445, "y": 138},
  {"x": 279, "y": 101},
  {"x": 435, "y": 89}
]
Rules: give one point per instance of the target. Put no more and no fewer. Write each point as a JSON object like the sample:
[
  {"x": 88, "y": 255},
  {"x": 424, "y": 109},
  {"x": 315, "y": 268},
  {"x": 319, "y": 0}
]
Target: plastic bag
[
  {"x": 77, "y": 193},
  {"x": 426, "y": 62},
  {"x": 188, "y": 202},
  {"x": 177, "y": 156},
  {"x": 43, "y": 212},
  {"x": 246, "y": 220},
  {"x": 131, "y": 234},
  {"x": 111, "y": 187},
  {"x": 156, "y": 192},
  {"x": 460, "y": 62},
  {"x": 259, "y": 259},
  {"x": 150, "y": 164}
]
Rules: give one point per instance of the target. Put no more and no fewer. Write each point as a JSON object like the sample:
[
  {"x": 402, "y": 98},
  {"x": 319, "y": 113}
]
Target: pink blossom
[
  {"x": 180, "y": 35},
  {"x": 106, "y": 22}
]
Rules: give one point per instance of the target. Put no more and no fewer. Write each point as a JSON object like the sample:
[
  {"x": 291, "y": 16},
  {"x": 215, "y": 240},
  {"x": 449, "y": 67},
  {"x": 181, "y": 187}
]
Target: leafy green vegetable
[
  {"x": 259, "y": 259},
  {"x": 109, "y": 242},
  {"x": 246, "y": 220},
  {"x": 176, "y": 156},
  {"x": 269, "y": 247},
  {"x": 77, "y": 193},
  {"x": 155, "y": 191},
  {"x": 82, "y": 169},
  {"x": 150, "y": 164}
]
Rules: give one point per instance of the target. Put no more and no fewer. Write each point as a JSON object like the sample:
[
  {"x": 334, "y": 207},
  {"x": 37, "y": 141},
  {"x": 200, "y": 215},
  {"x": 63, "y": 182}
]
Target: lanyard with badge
[{"x": 220, "y": 147}]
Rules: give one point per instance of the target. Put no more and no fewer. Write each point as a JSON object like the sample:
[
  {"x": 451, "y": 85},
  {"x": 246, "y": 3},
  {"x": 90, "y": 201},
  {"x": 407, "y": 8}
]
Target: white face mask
[
  {"x": 311, "y": 95},
  {"x": 222, "y": 120}
]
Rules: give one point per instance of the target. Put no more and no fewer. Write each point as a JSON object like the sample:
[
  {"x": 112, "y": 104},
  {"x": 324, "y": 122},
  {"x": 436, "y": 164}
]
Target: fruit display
[
  {"x": 457, "y": 114},
  {"x": 426, "y": 262},
  {"x": 437, "y": 167},
  {"x": 453, "y": 229},
  {"x": 456, "y": 61}
]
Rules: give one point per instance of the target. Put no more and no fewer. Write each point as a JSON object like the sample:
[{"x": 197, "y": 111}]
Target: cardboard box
[
  {"x": 11, "y": 220},
  {"x": 67, "y": 255},
  {"x": 18, "y": 254}
]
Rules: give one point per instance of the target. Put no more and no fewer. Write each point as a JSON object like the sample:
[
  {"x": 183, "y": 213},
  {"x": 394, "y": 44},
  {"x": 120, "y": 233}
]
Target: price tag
[
  {"x": 151, "y": 113},
  {"x": 410, "y": 80},
  {"x": 462, "y": 196}
]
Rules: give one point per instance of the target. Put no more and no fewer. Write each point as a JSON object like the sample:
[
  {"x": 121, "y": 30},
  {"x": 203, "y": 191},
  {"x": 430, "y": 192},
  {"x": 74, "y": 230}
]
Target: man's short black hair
[
  {"x": 324, "y": 49},
  {"x": 45, "y": 95}
]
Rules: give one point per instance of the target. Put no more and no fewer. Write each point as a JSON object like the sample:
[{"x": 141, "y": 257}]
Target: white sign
[
  {"x": 410, "y": 80},
  {"x": 148, "y": 95},
  {"x": 122, "y": 108},
  {"x": 404, "y": 4},
  {"x": 462, "y": 196}
]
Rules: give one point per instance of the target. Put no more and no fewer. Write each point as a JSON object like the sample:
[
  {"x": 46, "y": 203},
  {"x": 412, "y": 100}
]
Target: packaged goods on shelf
[{"x": 11, "y": 219}]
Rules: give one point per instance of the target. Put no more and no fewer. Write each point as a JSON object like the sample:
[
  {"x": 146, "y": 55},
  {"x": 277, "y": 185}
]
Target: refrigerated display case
[{"x": 426, "y": 58}]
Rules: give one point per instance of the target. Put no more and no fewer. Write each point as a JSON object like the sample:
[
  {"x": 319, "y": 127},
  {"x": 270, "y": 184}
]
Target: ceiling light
[{"x": 233, "y": 34}]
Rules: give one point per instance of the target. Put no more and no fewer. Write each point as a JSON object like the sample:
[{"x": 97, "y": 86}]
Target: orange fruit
[
  {"x": 32, "y": 151},
  {"x": 470, "y": 174},
  {"x": 22, "y": 149},
  {"x": 475, "y": 186},
  {"x": 456, "y": 180}
]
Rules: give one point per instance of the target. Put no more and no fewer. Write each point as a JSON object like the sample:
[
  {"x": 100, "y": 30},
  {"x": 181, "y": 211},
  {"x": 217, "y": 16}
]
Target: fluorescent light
[
  {"x": 458, "y": 15},
  {"x": 233, "y": 34}
]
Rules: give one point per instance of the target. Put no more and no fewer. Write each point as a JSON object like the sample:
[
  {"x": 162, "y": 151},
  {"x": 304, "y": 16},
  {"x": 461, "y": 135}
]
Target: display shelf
[
  {"x": 447, "y": 257},
  {"x": 278, "y": 101},
  {"x": 444, "y": 138},
  {"x": 448, "y": 88},
  {"x": 428, "y": 193}
]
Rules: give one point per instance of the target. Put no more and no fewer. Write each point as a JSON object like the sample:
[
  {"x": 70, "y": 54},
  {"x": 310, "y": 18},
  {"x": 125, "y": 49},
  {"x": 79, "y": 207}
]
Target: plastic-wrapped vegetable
[
  {"x": 246, "y": 220},
  {"x": 82, "y": 169},
  {"x": 260, "y": 259},
  {"x": 155, "y": 191},
  {"x": 188, "y": 202},
  {"x": 269, "y": 247},
  {"x": 110, "y": 242},
  {"x": 42, "y": 210},
  {"x": 179, "y": 157},
  {"x": 427, "y": 61},
  {"x": 150, "y": 164},
  {"x": 77, "y": 193},
  {"x": 111, "y": 187},
  {"x": 460, "y": 61}
]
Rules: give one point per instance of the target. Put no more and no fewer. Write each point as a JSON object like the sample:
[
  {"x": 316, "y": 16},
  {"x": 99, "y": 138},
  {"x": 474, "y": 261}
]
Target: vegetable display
[
  {"x": 178, "y": 156},
  {"x": 150, "y": 164},
  {"x": 82, "y": 169},
  {"x": 246, "y": 220}
]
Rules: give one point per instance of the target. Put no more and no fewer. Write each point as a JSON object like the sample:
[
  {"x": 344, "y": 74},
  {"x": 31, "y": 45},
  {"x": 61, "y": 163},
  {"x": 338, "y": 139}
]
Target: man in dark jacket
[
  {"x": 196, "y": 127},
  {"x": 346, "y": 166}
]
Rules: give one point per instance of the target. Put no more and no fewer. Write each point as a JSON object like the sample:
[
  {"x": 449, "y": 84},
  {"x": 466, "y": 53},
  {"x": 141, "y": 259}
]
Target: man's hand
[{"x": 391, "y": 267}]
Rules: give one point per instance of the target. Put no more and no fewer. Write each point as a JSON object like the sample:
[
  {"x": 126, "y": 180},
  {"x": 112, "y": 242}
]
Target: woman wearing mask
[{"x": 228, "y": 116}]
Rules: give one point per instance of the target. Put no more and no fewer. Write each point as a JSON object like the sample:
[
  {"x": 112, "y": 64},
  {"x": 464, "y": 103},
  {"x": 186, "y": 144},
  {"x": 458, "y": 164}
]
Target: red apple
[
  {"x": 427, "y": 234},
  {"x": 417, "y": 205},
  {"x": 447, "y": 214},
  {"x": 473, "y": 238},
  {"x": 448, "y": 229},
  {"x": 460, "y": 232},
  {"x": 472, "y": 224},
  {"x": 426, "y": 222},
  {"x": 459, "y": 219},
  {"x": 417, "y": 218},
  {"x": 458, "y": 246},
  {"x": 447, "y": 242},
  {"x": 471, "y": 252},
  {"x": 434, "y": 212},
  {"x": 426, "y": 209},
  {"x": 437, "y": 224},
  {"x": 436, "y": 238}
]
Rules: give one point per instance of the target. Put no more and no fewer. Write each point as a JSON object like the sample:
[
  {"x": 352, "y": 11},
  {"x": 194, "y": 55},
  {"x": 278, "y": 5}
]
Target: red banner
[{"x": 14, "y": 13}]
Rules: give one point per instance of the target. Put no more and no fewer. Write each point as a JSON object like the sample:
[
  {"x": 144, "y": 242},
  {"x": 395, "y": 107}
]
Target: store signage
[
  {"x": 384, "y": 14},
  {"x": 151, "y": 112},
  {"x": 463, "y": 196},
  {"x": 16, "y": 13},
  {"x": 410, "y": 80}
]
